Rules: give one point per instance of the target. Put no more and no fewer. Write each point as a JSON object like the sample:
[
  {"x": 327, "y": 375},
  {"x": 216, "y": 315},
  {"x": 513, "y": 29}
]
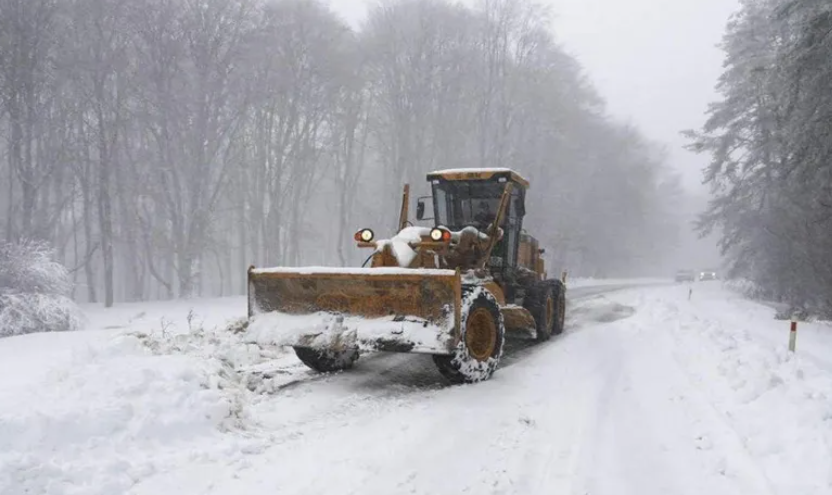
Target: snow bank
[
  {"x": 175, "y": 316},
  {"x": 779, "y": 403},
  {"x": 94, "y": 412},
  {"x": 116, "y": 413},
  {"x": 600, "y": 282}
]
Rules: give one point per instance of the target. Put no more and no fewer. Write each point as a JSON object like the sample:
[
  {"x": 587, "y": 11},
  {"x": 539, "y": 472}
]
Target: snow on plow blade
[{"x": 389, "y": 309}]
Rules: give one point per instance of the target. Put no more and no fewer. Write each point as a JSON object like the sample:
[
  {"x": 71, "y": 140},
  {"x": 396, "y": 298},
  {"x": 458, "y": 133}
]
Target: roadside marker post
[{"x": 793, "y": 336}]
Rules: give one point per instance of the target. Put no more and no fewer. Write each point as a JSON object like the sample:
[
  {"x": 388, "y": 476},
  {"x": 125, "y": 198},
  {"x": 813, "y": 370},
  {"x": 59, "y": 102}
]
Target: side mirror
[{"x": 420, "y": 209}]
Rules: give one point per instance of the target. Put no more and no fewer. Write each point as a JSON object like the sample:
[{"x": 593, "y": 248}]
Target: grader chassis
[{"x": 452, "y": 291}]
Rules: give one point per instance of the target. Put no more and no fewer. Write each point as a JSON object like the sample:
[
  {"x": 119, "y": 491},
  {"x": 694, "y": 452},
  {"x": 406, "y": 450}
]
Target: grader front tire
[
  {"x": 478, "y": 353},
  {"x": 327, "y": 360}
]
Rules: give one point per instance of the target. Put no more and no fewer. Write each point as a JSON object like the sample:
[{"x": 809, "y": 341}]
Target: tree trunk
[
  {"x": 244, "y": 261},
  {"x": 10, "y": 204},
  {"x": 89, "y": 271},
  {"x": 105, "y": 214},
  {"x": 185, "y": 273}
]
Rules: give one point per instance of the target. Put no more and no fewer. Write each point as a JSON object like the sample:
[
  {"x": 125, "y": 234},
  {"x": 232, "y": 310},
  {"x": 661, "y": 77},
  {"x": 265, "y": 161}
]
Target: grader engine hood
[{"x": 392, "y": 309}]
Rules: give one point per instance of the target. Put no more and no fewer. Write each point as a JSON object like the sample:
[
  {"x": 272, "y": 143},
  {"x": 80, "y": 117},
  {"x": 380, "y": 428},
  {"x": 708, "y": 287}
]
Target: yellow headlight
[{"x": 436, "y": 235}]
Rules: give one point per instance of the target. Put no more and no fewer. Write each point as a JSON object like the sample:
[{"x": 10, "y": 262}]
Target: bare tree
[{"x": 163, "y": 146}]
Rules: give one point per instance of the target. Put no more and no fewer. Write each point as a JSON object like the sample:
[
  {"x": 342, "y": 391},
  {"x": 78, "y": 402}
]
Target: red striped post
[{"x": 793, "y": 336}]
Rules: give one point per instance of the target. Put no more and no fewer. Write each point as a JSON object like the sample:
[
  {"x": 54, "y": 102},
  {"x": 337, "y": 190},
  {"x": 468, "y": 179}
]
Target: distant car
[
  {"x": 707, "y": 275},
  {"x": 685, "y": 276}
]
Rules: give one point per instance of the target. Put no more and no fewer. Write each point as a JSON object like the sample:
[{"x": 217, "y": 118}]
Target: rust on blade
[{"x": 432, "y": 298}]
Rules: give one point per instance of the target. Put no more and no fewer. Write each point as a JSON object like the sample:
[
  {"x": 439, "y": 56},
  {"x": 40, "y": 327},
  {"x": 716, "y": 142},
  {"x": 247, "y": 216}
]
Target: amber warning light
[
  {"x": 364, "y": 235},
  {"x": 439, "y": 234}
]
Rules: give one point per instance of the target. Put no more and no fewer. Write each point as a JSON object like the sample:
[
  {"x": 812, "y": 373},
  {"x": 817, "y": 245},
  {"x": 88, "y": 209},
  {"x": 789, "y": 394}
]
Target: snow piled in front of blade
[
  {"x": 147, "y": 390},
  {"x": 326, "y": 330}
]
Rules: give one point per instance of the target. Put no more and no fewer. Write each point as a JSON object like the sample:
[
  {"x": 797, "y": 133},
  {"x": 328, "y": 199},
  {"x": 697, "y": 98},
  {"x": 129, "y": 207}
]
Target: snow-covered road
[{"x": 646, "y": 393}]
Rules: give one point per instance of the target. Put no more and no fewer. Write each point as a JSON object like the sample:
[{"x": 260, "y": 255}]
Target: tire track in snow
[
  {"x": 392, "y": 421},
  {"x": 661, "y": 435},
  {"x": 379, "y": 370}
]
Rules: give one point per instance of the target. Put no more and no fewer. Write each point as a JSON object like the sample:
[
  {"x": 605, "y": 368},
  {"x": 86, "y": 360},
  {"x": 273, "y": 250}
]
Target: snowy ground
[
  {"x": 608, "y": 282},
  {"x": 646, "y": 393}
]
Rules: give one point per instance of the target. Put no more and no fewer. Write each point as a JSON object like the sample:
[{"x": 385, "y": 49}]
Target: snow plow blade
[{"x": 387, "y": 309}]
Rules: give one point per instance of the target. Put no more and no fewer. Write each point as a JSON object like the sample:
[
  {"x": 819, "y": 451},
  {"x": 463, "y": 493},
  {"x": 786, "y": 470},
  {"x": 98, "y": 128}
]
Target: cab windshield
[{"x": 460, "y": 204}]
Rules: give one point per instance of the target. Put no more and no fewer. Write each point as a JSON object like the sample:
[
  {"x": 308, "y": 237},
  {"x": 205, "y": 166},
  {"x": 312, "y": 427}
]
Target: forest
[
  {"x": 770, "y": 140},
  {"x": 160, "y": 147}
]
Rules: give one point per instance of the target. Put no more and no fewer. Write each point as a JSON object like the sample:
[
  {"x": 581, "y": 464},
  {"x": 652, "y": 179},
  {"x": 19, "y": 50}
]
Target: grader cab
[{"x": 452, "y": 291}]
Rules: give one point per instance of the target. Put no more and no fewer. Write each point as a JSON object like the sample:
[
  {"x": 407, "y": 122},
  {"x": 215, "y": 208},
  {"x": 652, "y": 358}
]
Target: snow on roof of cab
[{"x": 478, "y": 173}]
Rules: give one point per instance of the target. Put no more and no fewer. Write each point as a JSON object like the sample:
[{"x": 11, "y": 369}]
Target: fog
[
  {"x": 656, "y": 64},
  {"x": 161, "y": 146},
  {"x": 640, "y": 55}
]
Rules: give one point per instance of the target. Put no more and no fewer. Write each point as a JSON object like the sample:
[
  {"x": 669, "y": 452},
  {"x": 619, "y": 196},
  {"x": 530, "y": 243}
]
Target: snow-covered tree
[{"x": 769, "y": 138}]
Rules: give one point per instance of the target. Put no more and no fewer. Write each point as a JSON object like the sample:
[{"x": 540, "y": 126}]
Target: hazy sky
[{"x": 654, "y": 61}]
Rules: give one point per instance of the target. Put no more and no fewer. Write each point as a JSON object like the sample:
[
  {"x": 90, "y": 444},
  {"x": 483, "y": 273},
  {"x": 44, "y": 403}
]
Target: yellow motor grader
[{"x": 452, "y": 291}]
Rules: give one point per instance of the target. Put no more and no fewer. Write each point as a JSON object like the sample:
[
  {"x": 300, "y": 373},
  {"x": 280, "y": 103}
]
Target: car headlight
[{"x": 364, "y": 235}]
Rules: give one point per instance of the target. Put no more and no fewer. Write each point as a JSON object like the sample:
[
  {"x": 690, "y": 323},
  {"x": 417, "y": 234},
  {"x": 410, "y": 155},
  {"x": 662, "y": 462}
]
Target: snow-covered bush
[
  {"x": 785, "y": 310},
  {"x": 34, "y": 291},
  {"x": 745, "y": 287}
]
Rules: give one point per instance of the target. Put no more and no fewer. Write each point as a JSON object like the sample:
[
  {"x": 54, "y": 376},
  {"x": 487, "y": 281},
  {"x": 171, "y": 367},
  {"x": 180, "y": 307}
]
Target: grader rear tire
[
  {"x": 547, "y": 304},
  {"x": 327, "y": 360},
  {"x": 542, "y": 305},
  {"x": 560, "y": 305},
  {"x": 480, "y": 347}
]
